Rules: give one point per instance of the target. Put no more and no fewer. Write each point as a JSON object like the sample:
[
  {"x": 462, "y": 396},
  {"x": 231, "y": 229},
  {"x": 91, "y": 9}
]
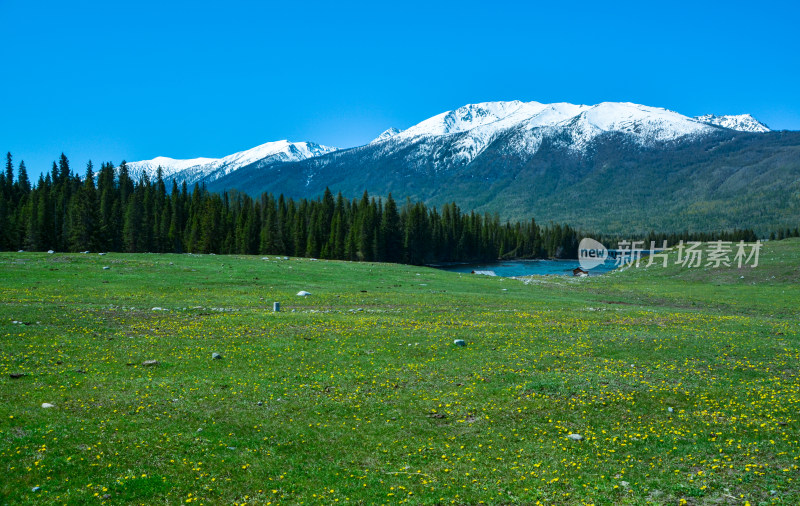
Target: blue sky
[{"x": 109, "y": 81}]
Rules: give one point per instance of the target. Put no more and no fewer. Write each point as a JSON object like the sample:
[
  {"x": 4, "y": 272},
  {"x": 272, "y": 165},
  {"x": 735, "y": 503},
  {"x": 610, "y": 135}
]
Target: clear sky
[{"x": 107, "y": 80}]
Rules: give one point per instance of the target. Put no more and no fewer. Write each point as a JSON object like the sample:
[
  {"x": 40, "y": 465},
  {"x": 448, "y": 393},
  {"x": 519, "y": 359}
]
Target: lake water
[{"x": 528, "y": 267}]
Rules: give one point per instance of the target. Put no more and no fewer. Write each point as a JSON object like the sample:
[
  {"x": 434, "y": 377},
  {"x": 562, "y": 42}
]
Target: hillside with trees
[{"x": 109, "y": 211}]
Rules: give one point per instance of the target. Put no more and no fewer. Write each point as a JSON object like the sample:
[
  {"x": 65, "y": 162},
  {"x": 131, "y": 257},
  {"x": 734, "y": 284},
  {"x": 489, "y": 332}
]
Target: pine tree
[
  {"x": 148, "y": 214},
  {"x": 176, "y": 221},
  {"x": 46, "y": 233},
  {"x": 416, "y": 234},
  {"x": 160, "y": 223},
  {"x": 5, "y": 222},
  {"x": 7, "y": 180},
  {"x": 132, "y": 222},
  {"x": 83, "y": 217},
  {"x": 314, "y": 232},
  {"x": 326, "y": 215},
  {"x": 23, "y": 183},
  {"x": 63, "y": 169},
  {"x": 209, "y": 224},
  {"x": 299, "y": 229},
  {"x": 270, "y": 240},
  {"x": 391, "y": 231}
]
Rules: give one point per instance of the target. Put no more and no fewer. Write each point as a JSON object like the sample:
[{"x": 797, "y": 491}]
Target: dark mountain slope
[{"x": 723, "y": 180}]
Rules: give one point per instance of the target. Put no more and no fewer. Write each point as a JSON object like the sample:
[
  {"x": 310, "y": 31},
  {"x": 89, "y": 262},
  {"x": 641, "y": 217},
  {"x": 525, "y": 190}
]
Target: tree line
[
  {"x": 109, "y": 211},
  {"x": 673, "y": 238}
]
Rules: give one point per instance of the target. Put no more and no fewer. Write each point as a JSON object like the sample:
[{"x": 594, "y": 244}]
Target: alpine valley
[{"x": 612, "y": 167}]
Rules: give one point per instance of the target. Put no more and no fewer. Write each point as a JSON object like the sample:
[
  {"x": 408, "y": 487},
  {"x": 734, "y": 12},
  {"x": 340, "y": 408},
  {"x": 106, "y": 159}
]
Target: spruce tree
[
  {"x": 8, "y": 177},
  {"x": 63, "y": 169},
  {"x": 132, "y": 222},
  {"x": 5, "y": 222},
  {"x": 23, "y": 183},
  {"x": 83, "y": 215}
]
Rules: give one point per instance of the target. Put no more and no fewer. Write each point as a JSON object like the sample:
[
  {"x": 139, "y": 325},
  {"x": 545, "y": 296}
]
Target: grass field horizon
[{"x": 681, "y": 382}]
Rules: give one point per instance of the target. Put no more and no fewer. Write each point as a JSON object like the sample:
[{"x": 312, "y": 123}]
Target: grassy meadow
[{"x": 682, "y": 382}]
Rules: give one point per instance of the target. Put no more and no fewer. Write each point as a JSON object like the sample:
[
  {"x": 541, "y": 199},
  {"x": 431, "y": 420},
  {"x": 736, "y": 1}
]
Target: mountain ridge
[
  {"x": 740, "y": 122},
  {"x": 720, "y": 181},
  {"x": 206, "y": 170},
  {"x": 613, "y": 167},
  {"x": 484, "y": 120}
]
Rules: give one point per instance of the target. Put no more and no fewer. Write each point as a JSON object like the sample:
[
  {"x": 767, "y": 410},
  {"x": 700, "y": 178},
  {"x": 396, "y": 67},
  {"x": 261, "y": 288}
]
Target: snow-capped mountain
[
  {"x": 607, "y": 167},
  {"x": 388, "y": 133},
  {"x": 460, "y": 135},
  {"x": 210, "y": 169},
  {"x": 456, "y": 138},
  {"x": 647, "y": 123},
  {"x": 602, "y": 166},
  {"x": 740, "y": 122}
]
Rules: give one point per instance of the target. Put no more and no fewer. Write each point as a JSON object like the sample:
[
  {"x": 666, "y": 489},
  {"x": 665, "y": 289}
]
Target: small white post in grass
[{"x": 276, "y": 307}]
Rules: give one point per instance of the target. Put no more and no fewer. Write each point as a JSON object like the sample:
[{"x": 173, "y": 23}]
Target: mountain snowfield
[
  {"x": 210, "y": 169},
  {"x": 741, "y": 122},
  {"x": 457, "y": 137},
  {"x": 471, "y": 128},
  {"x": 649, "y": 123},
  {"x": 388, "y": 133}
]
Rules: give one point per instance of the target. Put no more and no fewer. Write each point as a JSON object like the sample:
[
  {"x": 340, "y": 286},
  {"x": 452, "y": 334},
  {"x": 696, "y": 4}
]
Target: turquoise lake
[{"x": 528, "y": 267}]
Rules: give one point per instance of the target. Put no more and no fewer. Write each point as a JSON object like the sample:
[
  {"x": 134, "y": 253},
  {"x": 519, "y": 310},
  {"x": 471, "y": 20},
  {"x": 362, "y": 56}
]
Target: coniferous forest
[{"x": 109, "y": 211}]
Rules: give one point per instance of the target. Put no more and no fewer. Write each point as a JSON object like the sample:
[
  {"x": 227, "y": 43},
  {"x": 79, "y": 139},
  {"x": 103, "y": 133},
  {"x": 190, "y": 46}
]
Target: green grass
[{"x": 365, "y": 399}]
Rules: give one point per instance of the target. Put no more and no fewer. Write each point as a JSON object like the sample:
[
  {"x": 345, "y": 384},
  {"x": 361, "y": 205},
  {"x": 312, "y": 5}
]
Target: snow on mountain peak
[
  {"x": 387, "y": 134},
  {"x": 169, "y": 166},
  {"x": 740, "y": 122},
  {"x": 475, "y": 126},
  {"x": 647, "y": 123},
  {"x": 469, "y": 117},
  {"x": 458, "y": 136},
  {"x": 279, "y": 151},
  {"x": 164, "y": 161},
  {"x": 485, "y": 120},
  {"x": 211, "y": 169}
]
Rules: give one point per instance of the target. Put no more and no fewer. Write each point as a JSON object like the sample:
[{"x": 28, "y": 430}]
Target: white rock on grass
[
  {"x": 303, "y": 293},
  {"x": 46, "y": 405},
  {"x": 50, "y": 251},
  {"x": 575, "y": 437}
]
